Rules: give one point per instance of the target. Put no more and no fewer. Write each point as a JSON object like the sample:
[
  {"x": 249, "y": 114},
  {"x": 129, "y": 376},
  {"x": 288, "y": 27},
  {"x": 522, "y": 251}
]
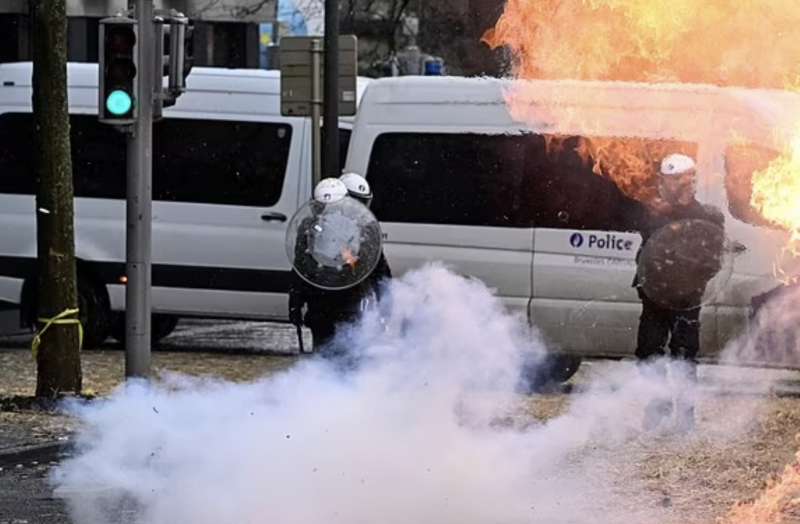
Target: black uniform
[
  {"x": 658, "y": 323},
  {"x": 326, "y": 308}
]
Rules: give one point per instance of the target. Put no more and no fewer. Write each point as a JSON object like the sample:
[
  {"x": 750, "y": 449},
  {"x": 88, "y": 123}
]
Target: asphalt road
[{"x": 27, "y": 498}]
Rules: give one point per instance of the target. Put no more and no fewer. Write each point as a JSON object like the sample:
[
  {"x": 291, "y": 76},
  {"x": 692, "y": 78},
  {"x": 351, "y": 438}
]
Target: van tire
[
  {"x": 94, "y": 312},
  {"x": 161, "y": 327},
  {"x": 550, "y": 372}
]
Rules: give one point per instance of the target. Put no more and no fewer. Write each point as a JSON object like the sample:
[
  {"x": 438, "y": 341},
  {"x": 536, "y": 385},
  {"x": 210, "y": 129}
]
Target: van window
[
  {"x": 98, "y": 156},
  {"x": 16, "y": 167},
  {"x": 524, "y": 180},
  {"x": 741, "y": 162},
  {"x": 220, "y": 162},
  {"x": 202, "y": 161}
]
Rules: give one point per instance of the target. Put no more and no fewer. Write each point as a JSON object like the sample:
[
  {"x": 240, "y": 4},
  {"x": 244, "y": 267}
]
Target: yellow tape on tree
[{"x": 62, "y": 319}]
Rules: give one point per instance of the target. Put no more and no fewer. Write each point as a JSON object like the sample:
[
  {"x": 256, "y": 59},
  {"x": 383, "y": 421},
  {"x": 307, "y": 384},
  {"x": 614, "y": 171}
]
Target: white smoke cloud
[{"x": 426, "y": 430}]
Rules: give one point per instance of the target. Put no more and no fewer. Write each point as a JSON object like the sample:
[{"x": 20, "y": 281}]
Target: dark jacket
[
  {"x": 325, "y": 305},
  {"x": 647, "y": 221},
  {"x": 681, "y": 266}
]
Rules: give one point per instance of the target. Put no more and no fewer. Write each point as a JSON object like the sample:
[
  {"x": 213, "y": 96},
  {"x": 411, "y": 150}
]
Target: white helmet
[
  {"x": 330, "y": 190},
  {"x": 676, "y": 164},
  {"x": 357, "y": 185}
]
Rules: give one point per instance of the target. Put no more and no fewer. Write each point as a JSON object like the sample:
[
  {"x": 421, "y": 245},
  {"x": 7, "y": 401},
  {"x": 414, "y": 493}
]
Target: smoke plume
[{"x": 427, "y": 428}]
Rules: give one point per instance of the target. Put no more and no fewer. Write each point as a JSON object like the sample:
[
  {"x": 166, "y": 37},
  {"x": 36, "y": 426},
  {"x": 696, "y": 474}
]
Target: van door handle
[{"x": 273, "y": 217}]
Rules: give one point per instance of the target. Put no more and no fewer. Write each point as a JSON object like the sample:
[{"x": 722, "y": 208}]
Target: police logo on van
[{"x": 605, "y": 241}]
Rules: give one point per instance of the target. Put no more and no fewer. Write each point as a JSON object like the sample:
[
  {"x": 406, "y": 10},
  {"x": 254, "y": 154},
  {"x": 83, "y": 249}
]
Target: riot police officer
[
  {"x": 668, "y": 317},
  {"x": 327, "y": 308}
]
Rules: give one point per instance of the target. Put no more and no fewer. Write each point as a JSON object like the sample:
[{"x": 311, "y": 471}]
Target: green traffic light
[{"x": 118, "y": 102}]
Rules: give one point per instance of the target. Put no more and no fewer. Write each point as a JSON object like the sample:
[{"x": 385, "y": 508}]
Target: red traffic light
[{"x": 121, "y": 39}]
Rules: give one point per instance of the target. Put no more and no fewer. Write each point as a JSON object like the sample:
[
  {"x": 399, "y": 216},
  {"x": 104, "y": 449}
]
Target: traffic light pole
[
  {"x": 316, "y": 112},
  {"x": 331, "y": 106},
  {"x": 139, "y": 204}
]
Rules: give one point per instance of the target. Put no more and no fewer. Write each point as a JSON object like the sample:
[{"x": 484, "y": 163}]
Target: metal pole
[
  {"x": 331, "y": 147},
  {"x": 139, "y": 205},
  {"x": 316, "y": 112}
]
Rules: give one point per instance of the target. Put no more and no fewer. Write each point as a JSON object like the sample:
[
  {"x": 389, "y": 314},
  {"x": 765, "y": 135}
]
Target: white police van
[
  {"x": 513, "y": 200},
  {"x": 228, "y": 172}
]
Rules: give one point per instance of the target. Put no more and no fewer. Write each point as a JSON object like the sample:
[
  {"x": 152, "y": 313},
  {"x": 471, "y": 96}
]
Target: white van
[
  {"x": 228, "y": 172},
  {"x": 457, "y": 178}
]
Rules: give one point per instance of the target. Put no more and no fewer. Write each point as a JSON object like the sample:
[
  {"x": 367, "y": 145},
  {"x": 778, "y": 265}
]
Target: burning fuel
[
  {"x": 774, "y": 503},
  {"x": 720, "y": 42},
  {"x": 776, "y": 195}
]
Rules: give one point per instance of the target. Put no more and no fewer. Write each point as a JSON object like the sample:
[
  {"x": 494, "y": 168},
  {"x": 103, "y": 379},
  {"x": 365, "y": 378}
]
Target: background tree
[
  {"x": 383, "y": 28},
  {"x": 453, "y": 29},
  {"x": 58, "y": 356}
]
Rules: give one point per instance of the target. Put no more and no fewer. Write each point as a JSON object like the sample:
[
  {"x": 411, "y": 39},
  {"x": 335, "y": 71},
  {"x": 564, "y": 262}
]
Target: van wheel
[
  {"x": 94, "y": 313},
  {"x": 549, "y": 373},
  {"x": 161, "y": 327}
]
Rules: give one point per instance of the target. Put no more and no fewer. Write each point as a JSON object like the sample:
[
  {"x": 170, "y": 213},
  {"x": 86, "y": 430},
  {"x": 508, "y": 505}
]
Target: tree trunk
[{"x": 58, "y": 357}]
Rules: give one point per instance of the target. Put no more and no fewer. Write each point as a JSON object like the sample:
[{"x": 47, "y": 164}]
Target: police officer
[
  {"x": 662, "y": 322},
  {"x": 359, "y": 189},
  {"x": 325, "y": 308}
]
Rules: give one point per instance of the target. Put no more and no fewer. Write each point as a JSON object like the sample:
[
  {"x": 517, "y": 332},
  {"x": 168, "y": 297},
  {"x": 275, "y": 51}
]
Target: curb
[{"x": 42, "y": 453}]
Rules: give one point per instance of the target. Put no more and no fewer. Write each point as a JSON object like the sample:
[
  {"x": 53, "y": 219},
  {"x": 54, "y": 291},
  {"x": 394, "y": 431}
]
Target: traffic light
[
  {"x": 117, "y": 102},
  {"x": 174, "y": 47}
]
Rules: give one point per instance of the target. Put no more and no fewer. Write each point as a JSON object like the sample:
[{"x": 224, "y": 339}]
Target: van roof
[
  {"x": 773, "y": 106},
  {"x": 201, "y": 78},
  {"x": 441, "y": 89},
  {"x": 436, "y": 89}
]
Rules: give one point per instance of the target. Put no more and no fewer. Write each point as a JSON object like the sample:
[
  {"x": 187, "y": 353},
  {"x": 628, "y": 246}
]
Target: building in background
[
  {"x": 395, "y": 36},
  {"x": 226, "y": 33}
]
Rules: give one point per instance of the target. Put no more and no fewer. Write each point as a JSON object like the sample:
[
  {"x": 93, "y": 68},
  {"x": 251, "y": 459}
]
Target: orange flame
[
  {"x": 776, "y": 190},
  {"x": 775, "y": 502},
  {"x": 722, "y": 42},
  {"x": 631, "y": 163},
  {"x": 349, "y": 258},
  {"x": 776, "y": 195}
]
